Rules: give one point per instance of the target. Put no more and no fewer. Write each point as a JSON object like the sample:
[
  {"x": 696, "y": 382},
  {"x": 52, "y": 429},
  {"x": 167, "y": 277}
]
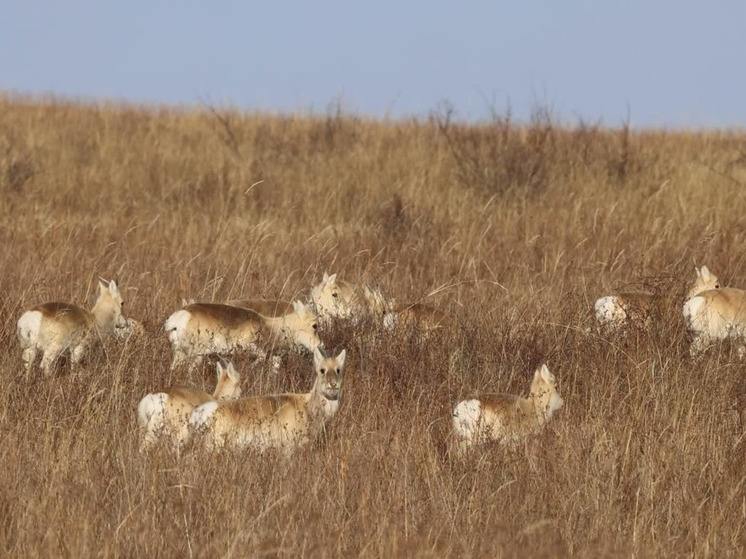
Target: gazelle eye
[
  {"x": 334, "y": 295},
  {"x": 315, "y": 326},
  {"x": 322, "y": 371},
  {"x": 337, "y": 371}
]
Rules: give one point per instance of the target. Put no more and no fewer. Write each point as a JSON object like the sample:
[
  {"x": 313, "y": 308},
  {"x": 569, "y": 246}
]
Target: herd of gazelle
[{"x": 287, "y": 421}]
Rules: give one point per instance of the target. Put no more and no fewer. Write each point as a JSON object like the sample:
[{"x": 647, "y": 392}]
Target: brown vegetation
[{"x": 517, "y": 228}]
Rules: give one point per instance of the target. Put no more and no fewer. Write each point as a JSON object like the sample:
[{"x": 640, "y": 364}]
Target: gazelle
[
  {"x": 56, "y": 328},
  {"x": 203, "y": 329},
  {"x": 504, "y": 417},
  {"x": 281, "y": 421},
  {"x": 333, "y": 298},
  {"x": 167, "y": 413},
  {"x": 713, "y": 313}
]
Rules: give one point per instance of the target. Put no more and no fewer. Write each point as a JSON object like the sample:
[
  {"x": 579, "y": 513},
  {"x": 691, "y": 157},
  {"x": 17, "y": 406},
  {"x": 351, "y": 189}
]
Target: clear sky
[{"x": 672, "y": 63}]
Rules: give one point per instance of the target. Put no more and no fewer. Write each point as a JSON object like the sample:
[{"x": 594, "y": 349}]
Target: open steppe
[{"x": 513, "y": 229}]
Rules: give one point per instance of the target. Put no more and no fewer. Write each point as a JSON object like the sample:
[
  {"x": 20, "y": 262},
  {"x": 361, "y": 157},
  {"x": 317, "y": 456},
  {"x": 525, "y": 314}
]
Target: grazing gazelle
[
  {"x": 167, "y": 413},
  {"x": 56, "y": 328},
  {"x": 202, "y": 329},
  {"x": 425, "y": 318},
  {"x": 504, "y": 417},
  {"x": 713, "y": 313},
  {"x": 280, "y": 421},
  {"x": 614, "y": 312},
  {"x": 335, "y": 298}
]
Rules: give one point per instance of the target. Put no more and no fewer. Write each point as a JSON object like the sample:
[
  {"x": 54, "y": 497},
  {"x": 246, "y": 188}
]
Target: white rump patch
[
  {"x": 609, "y": 311},
  {"x": 693, "y": 313},
  {"x": 176, "y": 324},
  {"x": 466, "y": 417},
  {"x": 150, "y": 410},
  {"x": 28, "y": 328}
]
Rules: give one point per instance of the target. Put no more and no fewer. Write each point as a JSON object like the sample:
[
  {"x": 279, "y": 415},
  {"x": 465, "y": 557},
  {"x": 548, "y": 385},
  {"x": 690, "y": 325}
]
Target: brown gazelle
[
  {"x": 53, "y": 329},
  {"x": 424, "y": 318},
  {"x": 713, "y": 313},
  {"x": 167, "y": 413},
  {"x": 203, "y": 329},
  {"x": 281, "y": 421},
  {"x": 504, "y": 417}
]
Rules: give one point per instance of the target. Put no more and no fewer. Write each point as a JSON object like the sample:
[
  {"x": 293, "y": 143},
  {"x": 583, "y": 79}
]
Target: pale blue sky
[{"x": 673, "y": 63}]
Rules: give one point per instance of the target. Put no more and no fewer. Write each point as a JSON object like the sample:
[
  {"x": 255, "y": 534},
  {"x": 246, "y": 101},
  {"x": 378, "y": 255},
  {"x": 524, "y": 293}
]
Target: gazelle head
[
  {"x": 228, "y": 386},
  {"x": 544, "y": 392},
  {"x": 301, "y": 326},
  {"x": 108, "y": 306},
  {"x": 332, "y": 299},
  {"x": 329, "y": 371},
  {"x": 704, "y": 281}
]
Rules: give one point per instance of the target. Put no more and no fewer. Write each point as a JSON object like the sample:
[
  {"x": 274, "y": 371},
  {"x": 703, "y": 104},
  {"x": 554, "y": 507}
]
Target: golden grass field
[{"x": 516, "y": 228}]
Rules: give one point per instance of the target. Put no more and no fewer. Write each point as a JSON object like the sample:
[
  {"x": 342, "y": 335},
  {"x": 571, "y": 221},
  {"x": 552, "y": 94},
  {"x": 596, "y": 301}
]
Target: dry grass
[{"x": 525, "y": 225}]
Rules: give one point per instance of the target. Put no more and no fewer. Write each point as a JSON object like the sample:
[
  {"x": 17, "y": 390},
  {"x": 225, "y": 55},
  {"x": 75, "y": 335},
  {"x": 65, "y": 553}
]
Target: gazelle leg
[
  {"x": 29, "y": 357},
  {"x": 77, "y": 354},
  {"x": 48, "y": 360}
]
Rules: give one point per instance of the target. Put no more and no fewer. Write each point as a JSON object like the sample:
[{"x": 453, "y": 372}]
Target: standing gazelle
[
  {"x": 505, "y": 417},
  {"x": 283, "y": 421},
  {"x": 167, "y": 413},
  {"x": 54, "y": 328},
  {"x": 713, "y": 313},
  {"x": 203, "y": 329}
]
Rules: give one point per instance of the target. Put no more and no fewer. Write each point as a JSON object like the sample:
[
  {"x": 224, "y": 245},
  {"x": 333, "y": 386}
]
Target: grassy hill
[{"x": 513, "y": 229}]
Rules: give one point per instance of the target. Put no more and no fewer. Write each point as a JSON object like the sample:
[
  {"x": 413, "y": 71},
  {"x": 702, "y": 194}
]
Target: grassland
[{"x": 516, "y": 228}]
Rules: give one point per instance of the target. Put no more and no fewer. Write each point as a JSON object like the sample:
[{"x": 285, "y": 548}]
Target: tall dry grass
[{"x": 518, "y": 228}]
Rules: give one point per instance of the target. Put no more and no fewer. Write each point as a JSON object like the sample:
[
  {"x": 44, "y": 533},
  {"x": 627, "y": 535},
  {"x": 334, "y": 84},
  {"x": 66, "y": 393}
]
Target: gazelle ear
[
  {"x": 318, "y": 357},
  {"x": 232, "y": 372},
  {"x": 341, "y": 358},
  {"x": 219, "y": 369},
  {"x": 332, "y": 278},
  {"x": 699, "y": 274},
  {"x": 298, "y": 306},
  {"x": 546, "y": 374},
  {"x": 325, "y": 278},
  {"x": 113, "y": 289},
  {"x": 704, "y": 271},
  {"x": 103, "y": 286}
]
